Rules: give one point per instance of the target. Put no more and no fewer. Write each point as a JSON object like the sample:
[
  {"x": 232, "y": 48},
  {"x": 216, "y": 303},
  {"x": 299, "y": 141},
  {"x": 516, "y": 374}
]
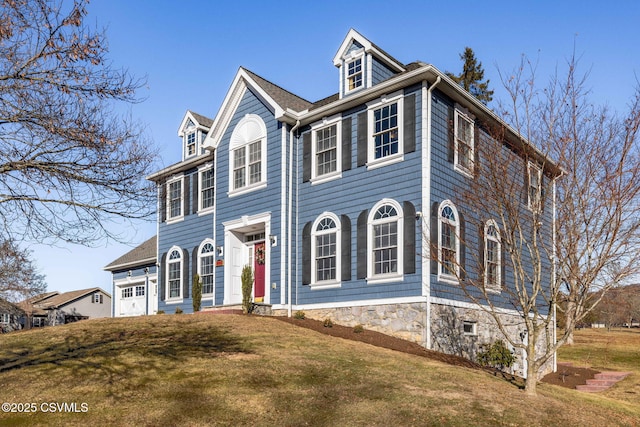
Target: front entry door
[{"x": 258, "y": 268}]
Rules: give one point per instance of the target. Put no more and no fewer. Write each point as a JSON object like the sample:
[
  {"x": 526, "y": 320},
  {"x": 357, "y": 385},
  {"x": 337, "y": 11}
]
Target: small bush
[
  {"x": 160, "y": 312},
  {"x": 299, "y": 315},
  {"x": 358, "y": 329},
  {"x": 328, "y": 323},
  {"x": 246, "y": 278},
  {"x": 496, "y": 355},
  {"x": 179, "y": 310}
]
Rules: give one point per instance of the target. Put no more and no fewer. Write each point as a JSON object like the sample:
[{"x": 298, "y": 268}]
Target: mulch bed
[{"x": 567, "y": 376}]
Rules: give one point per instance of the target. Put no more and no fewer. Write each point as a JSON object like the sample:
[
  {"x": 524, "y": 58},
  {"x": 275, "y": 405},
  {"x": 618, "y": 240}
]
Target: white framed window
[
  {"x": 96, "y": 298},
  {"x": 191, "y": 143},
  {"x": 127, "y": 292},
  {"x": 175, "y": 193},
  {"x": 206, "y": 183},
  {"x": 6, "y": 318},
  {"x": 354, "y": 74},
  {"x": 448, "y": 242},
  {"x": 140, "y": 290},
  {"x": 534, "y": 174},
  {"x": 248, "y": 155},
  {"x": 385, "y": 130},
  {"x": 327, "y": 150},
  {"x": 174, "y": 274},
  {"x": 326, "y": 250},
  {"x": 206, "y": 265},
  {"x": 464, "y": 151},
  {"x": 385, "y": 242},
  {"x": 469, "y": 328},
  {"x": 492, "y": 257}
]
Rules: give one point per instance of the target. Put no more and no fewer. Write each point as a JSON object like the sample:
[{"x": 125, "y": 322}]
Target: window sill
[
  {"x": 173, "y": 301},
  {"x": 327, "y": 285},
  {"x": 205, "y": 211},
  {"x": 326, "y": 178},
  {"x": 248, "y": 189},
  {"x": 174, "y": 220},
  {"x": 389, "y": 160},
  {"x": 452, "y": 280},
  {"x": 385, "y": 279},
  {"x": 464, "y": 171}
]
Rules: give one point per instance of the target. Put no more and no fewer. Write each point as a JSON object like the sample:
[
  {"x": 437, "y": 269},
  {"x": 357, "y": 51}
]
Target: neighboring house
[
  {"x": 335, "y": 203},
  {"x": 10, "y": 316},
  {"x": 135, "y": 281},
  {"x": 54, "y": 308}
]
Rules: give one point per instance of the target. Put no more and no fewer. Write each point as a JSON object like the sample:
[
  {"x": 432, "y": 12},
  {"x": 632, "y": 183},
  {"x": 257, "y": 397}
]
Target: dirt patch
[{"x": 567, "y": 376}]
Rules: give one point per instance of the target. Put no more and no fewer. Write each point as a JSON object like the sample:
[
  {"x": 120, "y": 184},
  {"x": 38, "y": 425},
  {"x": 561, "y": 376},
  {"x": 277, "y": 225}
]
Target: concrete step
[
  {"x": 602, "y": 382},
  {"x": 591, "y": 388},
  {"x": 611, "y": 375}
]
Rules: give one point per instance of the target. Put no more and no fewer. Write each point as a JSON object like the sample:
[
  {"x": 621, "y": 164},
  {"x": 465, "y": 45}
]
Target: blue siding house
[{"x": 345, "y": 208}]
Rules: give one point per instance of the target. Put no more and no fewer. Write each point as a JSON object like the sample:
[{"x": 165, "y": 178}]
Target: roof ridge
[{"x": 270, "y": 85}]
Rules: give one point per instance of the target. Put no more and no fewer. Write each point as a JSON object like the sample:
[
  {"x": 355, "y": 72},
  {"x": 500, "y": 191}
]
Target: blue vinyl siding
[
  {"x": 359, "y": 189},
  {"x": 380, "y": 72}
]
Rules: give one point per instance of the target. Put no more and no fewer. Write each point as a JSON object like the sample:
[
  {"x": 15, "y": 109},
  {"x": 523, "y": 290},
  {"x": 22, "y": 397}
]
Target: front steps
[{"x": 602, "y": 381}]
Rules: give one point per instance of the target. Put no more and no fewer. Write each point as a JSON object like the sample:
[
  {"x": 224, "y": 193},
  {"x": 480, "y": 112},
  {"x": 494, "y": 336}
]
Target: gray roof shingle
[{"x": 141, "y": 254}]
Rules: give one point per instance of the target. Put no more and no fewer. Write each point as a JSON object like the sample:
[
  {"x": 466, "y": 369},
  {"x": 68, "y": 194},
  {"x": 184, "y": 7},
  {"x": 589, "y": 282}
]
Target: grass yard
[{"x": 193, "y": 370}]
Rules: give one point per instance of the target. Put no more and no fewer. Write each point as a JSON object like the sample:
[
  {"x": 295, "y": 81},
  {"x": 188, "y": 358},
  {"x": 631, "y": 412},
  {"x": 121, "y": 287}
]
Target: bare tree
[
  {"x": 70, "y": 164},
  {"x": 19, "y": 277},
  {"x": 587, "y": 160}
]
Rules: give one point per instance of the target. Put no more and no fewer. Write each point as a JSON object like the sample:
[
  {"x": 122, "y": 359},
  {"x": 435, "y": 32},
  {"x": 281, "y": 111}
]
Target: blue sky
[{"x": 190, "y": 50}]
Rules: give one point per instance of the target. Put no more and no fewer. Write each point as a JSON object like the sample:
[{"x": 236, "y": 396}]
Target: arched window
[
  {"x": 325, "y": 237},
  {"x": 385, "y": 240},
  {"x": 248, "y": 154},
  {"x": 492, "y": 256},
  {"x": 448, "y": 241},
  {"x": 206, "y": 265},
  {"x": 174, "y": 273}
]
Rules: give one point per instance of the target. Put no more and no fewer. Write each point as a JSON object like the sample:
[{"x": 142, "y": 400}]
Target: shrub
[
  {"x": 247, "y": 286},
  {"x": 496, "y": 355},
  {"x": 197, "y": 293},
  {"x": 358, "y": 329},
  {"x": 299, "y": 315},
  {"x": 328, "y": 323},
  {"x": 160, "y": 312},
  {"x": 179, "y": 310}
]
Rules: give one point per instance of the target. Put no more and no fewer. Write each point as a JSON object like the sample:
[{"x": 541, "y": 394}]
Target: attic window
[
  {"x": 354, "y": 74},
  {"x": 191, "y": 144}
]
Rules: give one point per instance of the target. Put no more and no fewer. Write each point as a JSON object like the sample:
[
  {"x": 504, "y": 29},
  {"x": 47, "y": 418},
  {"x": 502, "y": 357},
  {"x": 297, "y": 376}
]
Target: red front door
[{"x": 258, "y": 268}]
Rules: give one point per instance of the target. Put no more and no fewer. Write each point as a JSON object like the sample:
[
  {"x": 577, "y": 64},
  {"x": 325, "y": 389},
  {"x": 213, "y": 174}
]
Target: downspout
[
  {"x": 212, "y": 150},
  {"x": 426, "y": 208},
  {"x": 289, "y": 218}
]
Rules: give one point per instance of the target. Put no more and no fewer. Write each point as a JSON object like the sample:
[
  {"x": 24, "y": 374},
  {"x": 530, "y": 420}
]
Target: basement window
[{"x": 469, "y": 328}]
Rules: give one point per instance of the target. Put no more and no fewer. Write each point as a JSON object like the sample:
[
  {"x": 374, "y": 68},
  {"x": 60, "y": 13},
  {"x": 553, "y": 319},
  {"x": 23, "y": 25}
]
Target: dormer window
[
  {"x": 354, "y": 74},
  {"x": 191, "y": 143}
]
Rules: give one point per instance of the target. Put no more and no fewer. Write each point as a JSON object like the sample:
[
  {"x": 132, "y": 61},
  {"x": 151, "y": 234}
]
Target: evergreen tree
[{"x": 471, "y": 77}]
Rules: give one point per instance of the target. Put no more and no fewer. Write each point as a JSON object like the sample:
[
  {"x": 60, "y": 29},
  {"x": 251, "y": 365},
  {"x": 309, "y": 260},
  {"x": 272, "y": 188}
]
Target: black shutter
[
  {"x": 345, "y": 258},
  {"x": 346, "y": 144},
  {"x": 163, "y": 276},
  {"x": 409, "y": 261},
  {"x": 163, "y": 202},
  {"x": 410, "y": 123},
  {"x": 361, "y": 244},
  {"x": 433, "y": 238},
  {"x": 451, "y": 146},
  {"x": 186, "y": 194},
  {"x": 362, "y": 139},
  {"x": 306, "y": 157},
  {"x": 194, "y": 193},
  {"x": 185, "y": 274},
  {"x": 463, "y": 248},
  {"x": 194, "y": 262},
  {"x": 481, "y": 243},
  {"x": 307, "y": 262}
]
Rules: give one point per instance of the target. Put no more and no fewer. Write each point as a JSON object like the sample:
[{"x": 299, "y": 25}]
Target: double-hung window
[
  {"x": 206, "y": 188},
  {"x": 327, "y": 150},
  {"x": 206, "y": 263},
  {"x": 354, "y": 74},
  {"x": 248, "y": 155},
  {"x": 464, "y": 143},
  {"x": 492, "y": 257},
  {"x": 385, "y": 130},
  {"x": 385, "y": 241},
  {"x": 174, "y": 274},
  {"x": 326, "y": 248},
  {"x": 191, "y": 143},
  {"x": 535, "y": 188},
  {"x": 448, "y": 242},
  {"x": 174, "y": 199}
]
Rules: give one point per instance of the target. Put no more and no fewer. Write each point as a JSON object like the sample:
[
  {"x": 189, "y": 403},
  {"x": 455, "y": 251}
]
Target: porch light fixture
[
  {"x": 273, "y": 239},
  {"x": 220, "y": 251}
]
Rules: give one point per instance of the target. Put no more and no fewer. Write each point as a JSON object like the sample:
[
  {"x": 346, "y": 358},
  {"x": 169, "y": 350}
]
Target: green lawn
[{"x": 249, "y": 370}]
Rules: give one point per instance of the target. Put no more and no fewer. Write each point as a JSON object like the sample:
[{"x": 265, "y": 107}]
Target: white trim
[
  {"x": 443, "y": 277},
  {"x": 492, "y": 287},
  {"x": 326, "y": 122},
  {"x": 249, "y": 130},
  {"x": 362, "y": 303},
  {"x": 202, "y": 168},
  {"x": 199, "y": 257},
  {"x": 198, "y": 129},
  {"x": 335, "y": 283},
  {"x": 458, "y": 114},
  {"x": 283, "y": 213},
  {"x": 398, "y": 275},
  {"x": 394, "y": 98},
  {"x": 168, "y": 218},
  {"x": 352, "y": 57},
  {"x": 168, "y": 299},
  {"x": 353, "y": 35},
  {"x": 471, "y": 305}
]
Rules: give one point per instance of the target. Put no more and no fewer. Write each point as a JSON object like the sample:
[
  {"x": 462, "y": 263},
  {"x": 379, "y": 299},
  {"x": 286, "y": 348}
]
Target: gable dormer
[
  {"x": 362, "y": 64},
  {"x": 193, "y": 130}
]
